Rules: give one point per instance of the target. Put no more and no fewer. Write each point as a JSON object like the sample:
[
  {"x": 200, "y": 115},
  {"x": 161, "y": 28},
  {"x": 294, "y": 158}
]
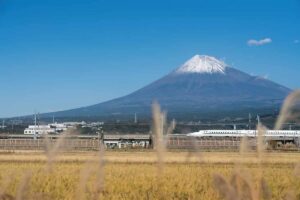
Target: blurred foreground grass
[{"x": 133, "y": 175}]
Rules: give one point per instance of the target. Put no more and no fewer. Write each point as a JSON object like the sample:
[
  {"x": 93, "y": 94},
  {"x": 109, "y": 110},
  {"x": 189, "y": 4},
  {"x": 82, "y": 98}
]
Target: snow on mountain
[{"x": 203, "y": 64}]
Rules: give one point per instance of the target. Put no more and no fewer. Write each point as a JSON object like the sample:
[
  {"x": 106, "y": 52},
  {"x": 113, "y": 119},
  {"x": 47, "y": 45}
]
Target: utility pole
[
  {"x": 258, "y": 119},
  {"x": 12, "y": 125},
  {"x": 250, "y": 117},
  {"x": 173, "y": 124},
  {"x": 35, "y": 124},
  {"x": 35, "y": 119},
  {"x": 38, "y": 119},
  {"x": 135, "y": 118}
]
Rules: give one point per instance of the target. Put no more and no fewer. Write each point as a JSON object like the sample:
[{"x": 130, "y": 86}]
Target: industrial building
[
  {"x": 127, "y": 141},
  {"x": 39, "y": 130},
  {"x": 46, "y": 129}
]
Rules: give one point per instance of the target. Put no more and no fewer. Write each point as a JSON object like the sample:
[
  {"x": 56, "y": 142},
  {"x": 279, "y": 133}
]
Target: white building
[
  {"x": 73, "y": 124},
  {"x": 127, "y": 141},
  {"x": 50, "y": 128},
  {"x": 39, "y": 130},
  {"x": 60, "y": 127},
  {"x": 92, "y": 124}
]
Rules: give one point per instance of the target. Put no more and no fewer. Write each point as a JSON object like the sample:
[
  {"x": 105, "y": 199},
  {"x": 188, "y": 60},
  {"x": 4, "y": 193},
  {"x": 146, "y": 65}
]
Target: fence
[
  {"x": 42, "y": 144},
  {"x": 93, "y": 144}
]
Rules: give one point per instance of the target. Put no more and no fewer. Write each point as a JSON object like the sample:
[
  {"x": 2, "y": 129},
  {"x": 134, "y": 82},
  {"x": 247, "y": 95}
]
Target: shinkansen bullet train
[{"x": 244, "y": 133}]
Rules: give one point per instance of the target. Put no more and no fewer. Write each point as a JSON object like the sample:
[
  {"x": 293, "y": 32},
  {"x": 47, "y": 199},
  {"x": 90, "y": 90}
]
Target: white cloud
[
  {"x": 259, "y": 42},
  {"x": 296, "y": 41}
]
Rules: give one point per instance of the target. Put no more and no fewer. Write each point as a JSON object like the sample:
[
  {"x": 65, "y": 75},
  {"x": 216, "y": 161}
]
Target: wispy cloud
[
  {"x": 296, "y": 41},
  {"x": 259, "y": 42}
]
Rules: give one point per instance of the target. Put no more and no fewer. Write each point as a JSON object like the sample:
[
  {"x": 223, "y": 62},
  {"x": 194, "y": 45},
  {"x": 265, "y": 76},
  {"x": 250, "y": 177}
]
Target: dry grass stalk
[
  {"x": 244, "y": 146},
  {"x": 290, "y": 196},
  {"x": 297, "y": 170},
  {"x": 47, "y": 143},
  {"x": 53, "y": 151},
  {"x": 171, "y": 127},
  {"x": 239, "y": 164},
  {"x": 224, "y": 188},
  {"x": 158, "y": 131},
  {"x": 6, "y": 197},
  {"x": 265, "y": 192},
  {"x": 287, "y": 108},
  {"x": 82, "y": 185},
  {"x": 242, "y": 185},
  {"x": 261, "y": 131},
  {"x": 99, "y": 185},
  {"x": 290, "y": 104},
  {"x": 7, "y": 180},
  {"x": 24, "y": 186},
  {"x": 194, "y": 152},
  {"x": 87, "y": 172}
]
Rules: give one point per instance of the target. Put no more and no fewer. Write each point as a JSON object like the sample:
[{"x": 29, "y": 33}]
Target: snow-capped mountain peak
[
  {"x": 202, "y": 64},
  {"x": 200, "y": 87}
]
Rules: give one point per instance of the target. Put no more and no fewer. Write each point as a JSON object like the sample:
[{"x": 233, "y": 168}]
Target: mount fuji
[{"x": 203, "y": 84}]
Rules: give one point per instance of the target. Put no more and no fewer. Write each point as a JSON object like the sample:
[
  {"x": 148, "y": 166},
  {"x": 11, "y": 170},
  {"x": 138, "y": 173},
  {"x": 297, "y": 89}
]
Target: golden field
[
  {"x": 148, "y": 156},
  {"x": 138, "y": 175}
]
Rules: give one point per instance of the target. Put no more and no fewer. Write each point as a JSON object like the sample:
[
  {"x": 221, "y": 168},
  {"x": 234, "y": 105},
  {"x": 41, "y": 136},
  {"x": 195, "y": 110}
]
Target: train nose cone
[{"x": 191, "y": 134}]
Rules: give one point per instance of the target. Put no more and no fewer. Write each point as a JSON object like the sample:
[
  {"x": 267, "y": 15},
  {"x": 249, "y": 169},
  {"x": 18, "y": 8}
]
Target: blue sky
[{"x": 56, "y": 55}]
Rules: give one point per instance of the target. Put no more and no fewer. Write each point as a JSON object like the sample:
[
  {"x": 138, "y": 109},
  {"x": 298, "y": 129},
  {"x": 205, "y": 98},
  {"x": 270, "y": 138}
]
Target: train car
[{"x": 245, "y": 133}]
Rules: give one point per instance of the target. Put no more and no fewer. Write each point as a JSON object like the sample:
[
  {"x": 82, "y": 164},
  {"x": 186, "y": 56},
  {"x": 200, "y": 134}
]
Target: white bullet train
[{"x": 247, "y": 133}]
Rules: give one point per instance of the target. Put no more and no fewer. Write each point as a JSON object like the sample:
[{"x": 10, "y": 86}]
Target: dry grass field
[
  {"x": 144, "y": 157},
  {"x": 138, "y": 175}
]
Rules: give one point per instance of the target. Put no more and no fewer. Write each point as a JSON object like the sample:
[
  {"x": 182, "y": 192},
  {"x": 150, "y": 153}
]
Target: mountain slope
[{"x": 203, "y": 83}]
